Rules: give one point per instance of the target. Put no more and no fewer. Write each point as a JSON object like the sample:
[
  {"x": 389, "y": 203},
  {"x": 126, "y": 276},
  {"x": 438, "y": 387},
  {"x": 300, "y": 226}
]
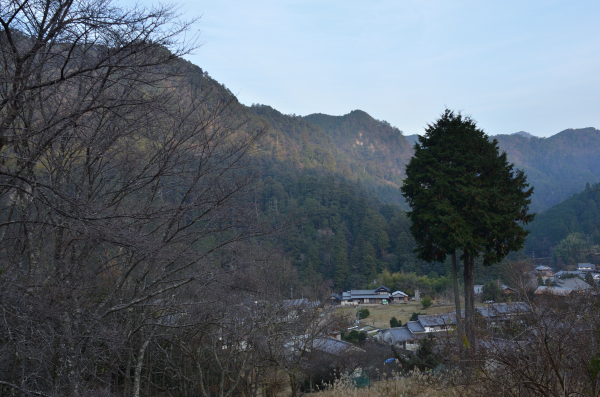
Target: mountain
[
  {"x": 412, "y": 138},
  {"x": 339, "y": 176},
  {"x": 558, "y": 166},
  {"x": 378, "y": 152},
  {"x": 580, "y": 213},
  {"x": 524, "y": 134}
]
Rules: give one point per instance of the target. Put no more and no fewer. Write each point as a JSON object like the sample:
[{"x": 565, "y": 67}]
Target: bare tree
[
  {"x": 550, "y": 350},
  {"x": 121, "y": 195}
]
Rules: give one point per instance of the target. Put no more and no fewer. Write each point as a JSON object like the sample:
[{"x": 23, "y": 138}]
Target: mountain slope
[
  {"x": 378, "y": 151},
  {"x": 558, "y": 166},
  {"x": 580, "y": 213}
]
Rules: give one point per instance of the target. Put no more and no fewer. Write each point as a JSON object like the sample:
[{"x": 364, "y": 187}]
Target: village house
[
  {"x": 366, "y": 296},
  {"x": 544, "y": 272},
  {"x": 407, "y": 337},
  {"x": 497, "y": 313},
  {"x": 379, "y": 295},
  {"x": 586, "y": 267},
  {"x": 398, "y": 296}
]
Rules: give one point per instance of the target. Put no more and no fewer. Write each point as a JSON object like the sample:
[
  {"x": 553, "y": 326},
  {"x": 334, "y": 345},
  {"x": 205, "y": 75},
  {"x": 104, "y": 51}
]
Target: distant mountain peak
[{"x": 523, "y": 133}]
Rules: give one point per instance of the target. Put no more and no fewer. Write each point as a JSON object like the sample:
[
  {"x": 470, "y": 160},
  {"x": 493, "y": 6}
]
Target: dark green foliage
[
  {"x": 414, "y": 316},
  {"x": 425, "y": 358},
  {"x": 354, "y": 336},
  {"x": 589, "y": 279},
  {"x": 540, "y": 280},
  {"x": 578, "y": 214},
  {"x": 394, "y": 322},
  {"x": 339, "y": 231},
  {"x": 351, "y": 337},
  {"x": 426, "y": 302},
  {"x": 491, "y": 292},
  {"x": 567, "y": 276},
  {"x": 464, "y": 195},
  {"x": 363, "y": 313},
  {"x": 362, "y": 336}
]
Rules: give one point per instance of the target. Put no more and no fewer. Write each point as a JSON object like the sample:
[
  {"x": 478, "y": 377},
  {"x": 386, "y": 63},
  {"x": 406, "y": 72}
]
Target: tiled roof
[
  {"x": 332, "y": 346},
  {"x": 553, "y": 291},
  {"x": 502, "y": 309},
  {"x": 400, "y": 334},
  {"x": 574, "y": 284},
  {"x": 415, "y": 326},
  {"x": 433, "y": 320},
  {"x": 364, "y": 293}
]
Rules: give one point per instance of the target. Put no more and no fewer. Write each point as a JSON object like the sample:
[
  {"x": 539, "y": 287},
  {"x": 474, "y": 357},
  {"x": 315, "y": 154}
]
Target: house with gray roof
[
  {"x": 366, "y": 296},
  {"x": 332, "y": 346},
  {"x": 544, "y": 272},
  {"x": 438, "y": 322},
  {"x": 556, "y": 291},
  {"x": 400, "y": 337},
  {"x": 502, "y": 312},
  {"x": 586, "y": 267},
  {"x": 434, "y": 325},
  {"x": 575, "y": 284}
]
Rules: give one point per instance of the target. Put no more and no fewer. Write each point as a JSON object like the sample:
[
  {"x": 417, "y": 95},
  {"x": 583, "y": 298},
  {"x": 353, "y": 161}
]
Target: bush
[
  {"x": 354, "y": 336},
  {"x": 426, "y": 301},
  {"x": 363, "y": 313},
  {"x": 415, "y": 316},
  {"x": 362, "y": 336},
  {"x": 394, "y": 322}
]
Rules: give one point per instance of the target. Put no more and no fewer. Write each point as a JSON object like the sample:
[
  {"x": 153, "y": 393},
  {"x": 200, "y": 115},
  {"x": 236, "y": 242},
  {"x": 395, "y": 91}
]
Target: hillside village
[{"x": 158, "y": 237}]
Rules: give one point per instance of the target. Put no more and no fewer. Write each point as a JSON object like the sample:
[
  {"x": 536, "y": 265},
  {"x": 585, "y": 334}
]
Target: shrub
[
  {"x": 414, "y": 316},
  {"x": 426, "y": 301},
  {"x": 394, "y": 322},
  {"x": 363, "y": 313},
  {"x": 362, "y": 336}
]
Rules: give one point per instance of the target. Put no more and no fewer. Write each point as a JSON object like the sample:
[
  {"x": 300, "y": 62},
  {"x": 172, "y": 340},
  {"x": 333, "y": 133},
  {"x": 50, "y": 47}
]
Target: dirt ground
[{"x": 381, "y": 314}]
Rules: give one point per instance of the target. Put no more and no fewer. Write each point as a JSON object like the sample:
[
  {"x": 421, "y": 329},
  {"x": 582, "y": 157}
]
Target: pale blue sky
[{"x": 512, "y": 65}]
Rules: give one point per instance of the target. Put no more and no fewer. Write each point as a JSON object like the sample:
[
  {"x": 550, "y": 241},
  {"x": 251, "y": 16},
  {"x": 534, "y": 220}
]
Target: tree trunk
[
  {"x": 139, "y": 365},
  {"x": 293, "y": 384},
  {"x": 459, "y": 328},
  {"x": 469, "y": 271}
]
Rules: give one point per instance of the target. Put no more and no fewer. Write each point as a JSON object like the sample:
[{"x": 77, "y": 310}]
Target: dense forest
[
  {"x": 334, "y": 182},
  {"x": 570, "y": 229}
]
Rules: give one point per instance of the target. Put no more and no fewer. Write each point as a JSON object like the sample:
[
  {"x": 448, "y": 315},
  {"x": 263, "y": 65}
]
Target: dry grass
[
  {"x": 412, "y": 386},
  {"x": 381, "y": 314}
]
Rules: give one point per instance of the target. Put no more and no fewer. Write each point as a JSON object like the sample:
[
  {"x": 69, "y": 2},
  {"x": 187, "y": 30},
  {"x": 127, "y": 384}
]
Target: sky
[{"x": 512, "y": 65}]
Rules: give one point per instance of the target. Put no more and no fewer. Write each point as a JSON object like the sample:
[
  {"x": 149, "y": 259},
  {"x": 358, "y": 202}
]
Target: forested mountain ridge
[
  {"x": 355, "y": 146},
  {"x": 361, "y": 148},
  {"x": 558, "y": 166},
  {"x": 379, "y": 151},
  {"x": 575, "y": 221}
]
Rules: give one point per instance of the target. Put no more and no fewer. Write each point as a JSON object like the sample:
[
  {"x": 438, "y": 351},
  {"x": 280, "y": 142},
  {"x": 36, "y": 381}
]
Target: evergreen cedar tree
[{"x": 465, "y": 196}]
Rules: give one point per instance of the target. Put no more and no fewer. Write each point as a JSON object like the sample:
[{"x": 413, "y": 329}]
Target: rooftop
[
  {"x": 502, "y": 309},
  {"x": 433, "y": 320},
  {"x": 332, "y": 346},
  {"x": 560, "y": 291},
  {"x": 575, "y": 284},
  {"x": 400, "y": 334},
  {"x": 415, "y": 326}
]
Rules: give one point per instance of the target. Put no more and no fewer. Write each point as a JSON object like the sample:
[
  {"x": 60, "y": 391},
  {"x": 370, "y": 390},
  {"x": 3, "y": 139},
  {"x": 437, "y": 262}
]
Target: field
[{"x": 381, "y": 314}]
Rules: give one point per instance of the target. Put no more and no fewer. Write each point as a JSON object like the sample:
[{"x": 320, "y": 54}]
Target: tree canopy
[{"x": 464, "y": 195}]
